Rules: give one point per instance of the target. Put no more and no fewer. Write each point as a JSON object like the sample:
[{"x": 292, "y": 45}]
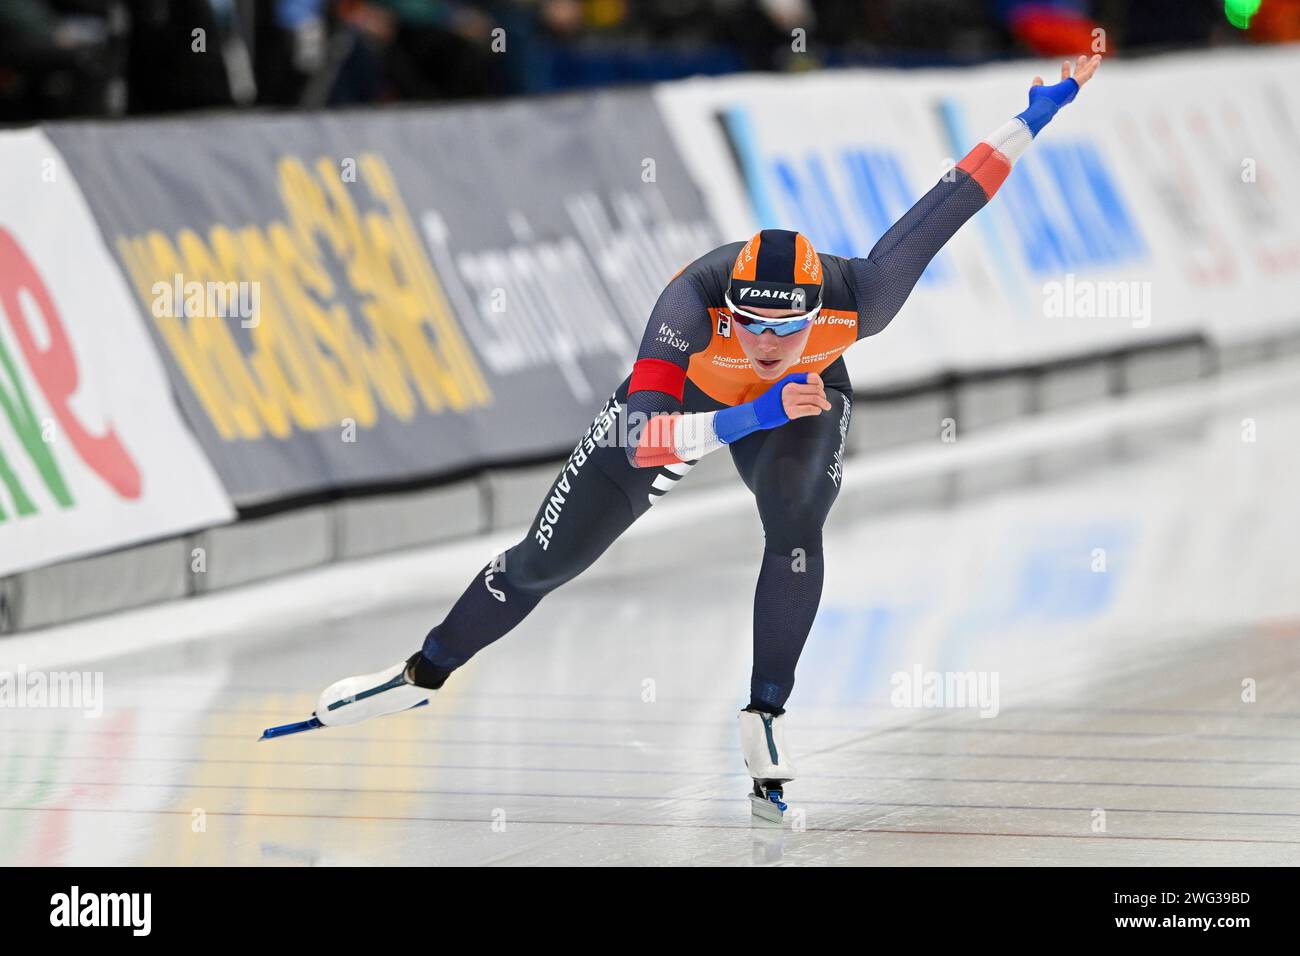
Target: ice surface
[{"x": 1124, "y": 591}]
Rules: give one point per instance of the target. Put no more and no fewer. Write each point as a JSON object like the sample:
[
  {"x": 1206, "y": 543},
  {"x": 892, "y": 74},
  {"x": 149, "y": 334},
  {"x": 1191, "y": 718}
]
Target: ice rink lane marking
[
  {"x": 715, "y": 775},
  {"x": 478, "y": 821},
  {"x": 370, "y": 765},
  {"x": 622, "y": 698},
  {"x": 834, "y": 748}
]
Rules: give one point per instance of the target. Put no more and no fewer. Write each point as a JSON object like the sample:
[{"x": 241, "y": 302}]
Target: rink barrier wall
[
  {"x": 986, "y": 402},
  {"x": 247, "y": 552},
  {"x": 271, "y": 545},
  {"x": 131, "y": 577},
  {"x": 1074, "y": 384},
  {"x": 384, "y": 523}
]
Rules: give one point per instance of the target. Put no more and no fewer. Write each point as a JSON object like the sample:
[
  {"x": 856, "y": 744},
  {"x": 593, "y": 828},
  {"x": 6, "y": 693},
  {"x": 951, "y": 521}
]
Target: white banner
[
  {"x": 1154, "y": 206},
  {"x": 93, "y": 453}
]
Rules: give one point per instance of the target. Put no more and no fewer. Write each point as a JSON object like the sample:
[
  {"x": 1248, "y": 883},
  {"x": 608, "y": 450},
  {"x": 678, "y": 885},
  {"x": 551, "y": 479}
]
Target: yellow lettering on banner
[
  {"x": 286, "y": 383},
  {"x": 333, "y": 211},
  {"x": 265, "y": 398},
  {"x": 152, "y": 259},
  {"x": 303, "y": 284},
  {"x": 313, "y": 356},
  {"x": 306, "y": 286},
  {"x": 282, "y": 353},
  {"x": 455, "y": 369}
]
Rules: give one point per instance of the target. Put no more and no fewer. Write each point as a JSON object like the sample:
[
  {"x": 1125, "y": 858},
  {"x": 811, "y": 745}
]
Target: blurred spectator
[
  {"x": 1277, "y": 21},
  {"x": 1051, "y": 27},
  {"x": 415, "y": 49},
  {"x": 186, "y": 54},
  {"x": 936, "y": 26},
  {"x": 1166, "y": 24},
  {"x": 438, "y": 49},
  {"x": 104, "y": 57},
  {"x": 60, "y": 58},
  {"x": 292, "y": 44},
  {"x": 762, "y": 31}
]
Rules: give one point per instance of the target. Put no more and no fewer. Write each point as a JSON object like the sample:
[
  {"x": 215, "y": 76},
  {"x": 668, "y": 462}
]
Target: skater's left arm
[{"x": 885, "y": 278}]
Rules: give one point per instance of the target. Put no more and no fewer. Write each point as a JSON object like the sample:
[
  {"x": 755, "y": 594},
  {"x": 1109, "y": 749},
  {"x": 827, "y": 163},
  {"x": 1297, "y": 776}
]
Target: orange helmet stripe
[
  {"x": 807, "y": 265},
  {"x": 747, "y": 261}
]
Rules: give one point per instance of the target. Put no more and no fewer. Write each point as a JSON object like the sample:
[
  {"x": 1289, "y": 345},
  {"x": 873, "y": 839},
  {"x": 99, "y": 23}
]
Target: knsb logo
[
  {"x": 724, "y": 324},
  {"x": 103, "y": 909}
]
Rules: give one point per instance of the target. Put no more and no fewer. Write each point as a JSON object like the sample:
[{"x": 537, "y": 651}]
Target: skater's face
[{"x": 769, "y": 353}]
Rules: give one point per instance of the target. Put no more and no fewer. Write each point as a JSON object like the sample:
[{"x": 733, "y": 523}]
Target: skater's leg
[
  {"x": 596, "y": 496},
  {"x": 505, "y": 591},
  {"x": 794, "y": 472},
  {"x": 592, "y": 501}
]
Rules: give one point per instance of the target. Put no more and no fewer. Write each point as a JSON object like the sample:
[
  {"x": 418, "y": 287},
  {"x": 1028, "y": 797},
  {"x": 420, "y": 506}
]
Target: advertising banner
[
  {"x": 1152, "y": 208},
  {"x": 93, "y": 452},
  {"x": 348, "y": 299}
]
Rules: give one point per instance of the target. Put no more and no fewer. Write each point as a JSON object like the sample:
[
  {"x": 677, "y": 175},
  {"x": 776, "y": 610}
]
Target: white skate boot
[
  {"x": 762, "y": 741},
  {"x": 354, "y": 699}
]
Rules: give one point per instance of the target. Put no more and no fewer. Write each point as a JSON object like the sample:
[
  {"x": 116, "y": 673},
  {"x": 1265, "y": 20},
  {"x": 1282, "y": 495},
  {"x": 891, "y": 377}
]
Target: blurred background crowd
[{"x": 61, "y": 58}]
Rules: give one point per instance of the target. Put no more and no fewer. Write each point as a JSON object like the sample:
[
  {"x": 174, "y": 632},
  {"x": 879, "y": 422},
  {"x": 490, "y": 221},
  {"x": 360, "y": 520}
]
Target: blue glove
[
  {"x": 1044, "y": 101},
  {"x": 766, "y": 411},
  {"x": 768, "y": 406}
]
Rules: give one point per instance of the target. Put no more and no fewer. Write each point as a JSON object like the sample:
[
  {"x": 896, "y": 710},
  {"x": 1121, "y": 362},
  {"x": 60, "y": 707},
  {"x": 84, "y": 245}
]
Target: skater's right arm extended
[
  {"x": 679, "y": 327},
  {"x": 883, "y": 280}
]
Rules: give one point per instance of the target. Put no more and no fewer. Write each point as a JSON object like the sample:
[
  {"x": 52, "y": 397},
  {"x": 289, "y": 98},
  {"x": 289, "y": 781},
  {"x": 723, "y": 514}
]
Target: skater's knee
[
  {"x": 539, "y": 582},
  {"x": 793, "y": 516},
  {"x": 528, "y": 571},
  {"x": 793, "y": 539}
]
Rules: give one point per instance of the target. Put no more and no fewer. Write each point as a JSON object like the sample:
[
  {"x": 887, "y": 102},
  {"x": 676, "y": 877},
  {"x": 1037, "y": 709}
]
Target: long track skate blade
[
  {"x": 295, "y": 728},
  {"x": 767, "y": 811},
  {"x": 312, "y": 723}
]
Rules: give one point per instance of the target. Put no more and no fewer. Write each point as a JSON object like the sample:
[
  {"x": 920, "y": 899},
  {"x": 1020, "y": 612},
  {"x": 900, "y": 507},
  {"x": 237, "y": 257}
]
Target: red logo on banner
[{"x": 55, "y": 370}]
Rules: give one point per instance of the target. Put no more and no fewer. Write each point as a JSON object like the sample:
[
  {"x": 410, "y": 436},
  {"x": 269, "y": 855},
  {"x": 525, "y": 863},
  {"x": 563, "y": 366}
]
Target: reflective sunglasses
[{"x": 758, "y": 324}]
